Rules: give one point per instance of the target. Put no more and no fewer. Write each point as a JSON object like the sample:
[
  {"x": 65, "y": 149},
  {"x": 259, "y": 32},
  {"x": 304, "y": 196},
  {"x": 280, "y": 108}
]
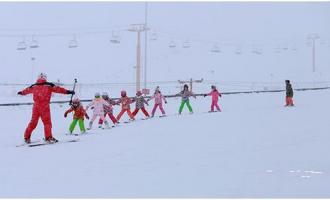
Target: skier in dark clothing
[{"x": 289, "y": 94}]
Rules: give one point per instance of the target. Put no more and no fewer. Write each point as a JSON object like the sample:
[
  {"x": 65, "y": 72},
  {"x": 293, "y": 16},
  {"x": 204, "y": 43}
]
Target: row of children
[
  {"x": 103, "y": 106},
  {"x": 42, "y": 91}
]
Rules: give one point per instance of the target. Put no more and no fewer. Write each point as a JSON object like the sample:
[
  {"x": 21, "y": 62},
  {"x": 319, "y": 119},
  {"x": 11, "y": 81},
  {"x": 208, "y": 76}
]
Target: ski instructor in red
[{"x": 42, "y": 91}]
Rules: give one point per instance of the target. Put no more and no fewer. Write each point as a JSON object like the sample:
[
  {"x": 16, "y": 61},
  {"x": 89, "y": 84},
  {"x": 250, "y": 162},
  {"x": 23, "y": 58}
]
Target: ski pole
[{"x": 74, "y": 87}]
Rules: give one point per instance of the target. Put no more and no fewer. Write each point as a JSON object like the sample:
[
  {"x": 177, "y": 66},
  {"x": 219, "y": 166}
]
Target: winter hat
[
  {"x": 185, "y": 86},
  {"x": 42, "y": 76},
  {"x": 75, "y": 102},
  {"x": 287, "y": 81},
  {"x": 138, "y": 93},
  {"x": 97, "y": 95},
  {"x": 123, "y": 93},
  {"x": 213, "y": 87},
  {"x": 105, "y": 94}
]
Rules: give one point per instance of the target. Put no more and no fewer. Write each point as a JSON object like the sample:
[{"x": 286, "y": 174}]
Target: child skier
[
  {"x": 108, "y": 110},
  {"x": 289, "y": 94},
  {"x": 42, "y": 92},
  {"x": 215, "y": 96},
  {"x": 98, "y": 104},
  {"x": 185, "y": 94},
  {"x": 125, "y": 105},
  {"x": 139, "y": 104},
  {"x": 79, "y": 114},
  {"x": 158, "y": 102}
]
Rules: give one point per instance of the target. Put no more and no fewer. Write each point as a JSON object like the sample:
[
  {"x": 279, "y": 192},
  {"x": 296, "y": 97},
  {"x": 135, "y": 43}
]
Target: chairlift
[
  {"x": 73, "y": 43},
  {"x": 153, "y": 36},
  {"x": 21, "y": 45},
  {"x": 172, "y": 44},
  {"x": 34, "y": 44},
  {"x": 238, "y": 51},
  {"x": 115, "y": 39},
  {"x": 277, "y": 50},
  {"x": 186, "y": 44},
  {"x": 215, "y": 49},
  {"x": 257, "y": 51},
  {"x": 294, "y": 48}
]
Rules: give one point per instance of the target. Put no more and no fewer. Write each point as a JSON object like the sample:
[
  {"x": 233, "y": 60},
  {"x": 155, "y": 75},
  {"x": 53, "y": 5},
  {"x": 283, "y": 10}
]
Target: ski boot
[
  {"x": 51, "y": 140},
  {"x": 27, "y": 140},
  {"x": 106, "y": 124},
  {"x": 90, "y": 125}
]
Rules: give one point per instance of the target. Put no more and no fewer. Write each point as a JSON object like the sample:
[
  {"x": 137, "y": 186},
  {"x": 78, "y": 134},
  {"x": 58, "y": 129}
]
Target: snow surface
[{"x": 255, "y": 148}]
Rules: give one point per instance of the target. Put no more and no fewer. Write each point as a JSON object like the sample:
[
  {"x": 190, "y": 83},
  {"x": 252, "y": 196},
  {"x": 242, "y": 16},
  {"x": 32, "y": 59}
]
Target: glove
[
  {"x": 165, "y": 101},
  {"x": 19, "y": 93},
  {"x": 65, "y": 115},
  {"x": 87, "y": 117},
  {"x": 70, "y": 92}
]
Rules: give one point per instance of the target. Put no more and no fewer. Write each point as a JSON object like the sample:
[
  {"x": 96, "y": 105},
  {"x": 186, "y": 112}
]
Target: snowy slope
[{"x": 254, "y": 148}]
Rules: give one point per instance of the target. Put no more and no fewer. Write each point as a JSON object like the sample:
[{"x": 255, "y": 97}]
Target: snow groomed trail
[{"x": 255, "y": 148}]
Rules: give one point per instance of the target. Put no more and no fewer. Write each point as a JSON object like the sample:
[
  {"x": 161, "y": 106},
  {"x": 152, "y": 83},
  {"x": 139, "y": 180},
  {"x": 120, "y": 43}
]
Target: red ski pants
[
  {"x": 155, "y": 107},
  {"x": 215, "y": 104},
  {"x": 122, "y": 112},
  {"x": 143, "y": 110},
  {"x": 289, "y": 101},
  {"x": 113, "y": 119},
  {"x": 43, "y": 112}
]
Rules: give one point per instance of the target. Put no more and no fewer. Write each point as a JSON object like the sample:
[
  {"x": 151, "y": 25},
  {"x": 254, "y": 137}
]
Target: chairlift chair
[
  {"x": 21, "y": 46},
  {"x": 73, "y": 43},
  {"x": 277, "y": 50},
  {"x": 238, "y": 51},
  {"x": 153, "y": 36},
  {"x": 215, "y": 49},
  {"x": 172, "y": 44},
  {"x": 115, "y": 39},
  {"x": 186, "y": 44},
  {"x": 34, "y": 44}
]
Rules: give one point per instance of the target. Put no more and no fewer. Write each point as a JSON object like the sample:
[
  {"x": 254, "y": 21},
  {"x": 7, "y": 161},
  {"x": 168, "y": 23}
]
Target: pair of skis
[{"x": 36, "y": 143}]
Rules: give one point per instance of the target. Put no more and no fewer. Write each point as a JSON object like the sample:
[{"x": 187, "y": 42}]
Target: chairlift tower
[
  {"x": 191, "y": 81},
  {"x": 138, "y": 28},
  {"x": 313, "y": 38}
]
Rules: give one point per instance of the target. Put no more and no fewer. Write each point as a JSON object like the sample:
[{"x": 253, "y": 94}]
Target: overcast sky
[{"x": 239, "y": 24}]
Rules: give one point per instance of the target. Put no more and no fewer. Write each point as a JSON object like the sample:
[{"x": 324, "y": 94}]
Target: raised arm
[
  {"x": 89, "y": 105},
  {"x": 26, "y": 91},
  {"x": 164, "y": 99},
  {"x": 58, "y": 89},
  {"x": 152, "y": 97}
]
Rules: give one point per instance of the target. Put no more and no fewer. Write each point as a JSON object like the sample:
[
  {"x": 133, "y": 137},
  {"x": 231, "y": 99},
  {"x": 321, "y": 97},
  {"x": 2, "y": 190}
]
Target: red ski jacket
[
  {"x": 79, "y": 112},
  {"x": 42, "y": 91}
]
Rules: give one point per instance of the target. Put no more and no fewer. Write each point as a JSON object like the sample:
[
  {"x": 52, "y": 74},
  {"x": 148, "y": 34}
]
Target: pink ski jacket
[
  {"x": 215, "y": 95},
  {"x": 98, "y": 104},
  {"x": 158, "y": 98}
]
